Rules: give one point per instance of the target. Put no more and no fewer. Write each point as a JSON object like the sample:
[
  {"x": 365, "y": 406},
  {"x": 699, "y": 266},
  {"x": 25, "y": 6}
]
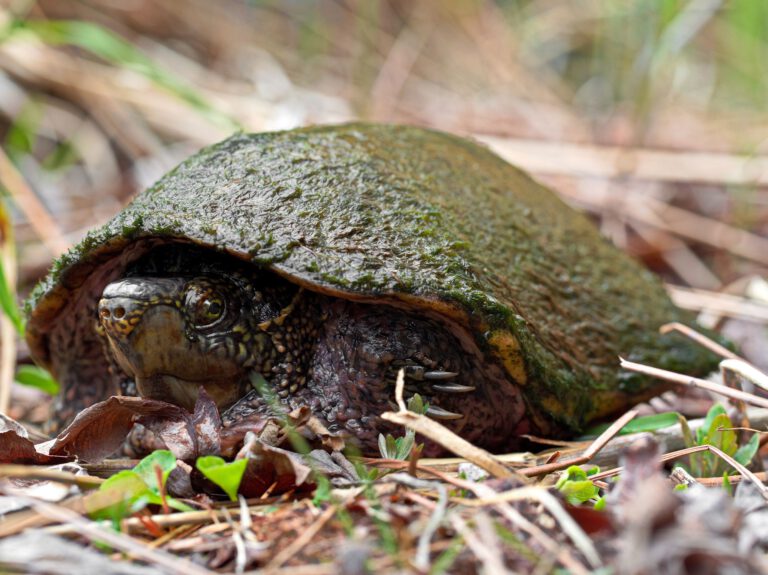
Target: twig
[
  {"x": 588, "y": 453},
  {"x": 95, "y": 532},
  {"x": 699, "y": 338},
  {"x": 241, "y": 558},
  {"x": 43, "y": 474},
  {"x": 41, "y": 221},
  {"x": 442, "y": 435},
  {"x": 695, "y": 382},
  {"x": 720, "y": 303},
  {"x": 395, "y": 70},
  {"x": 696, "y": 449},
  {"x": 300, "y": 542},
  {"x": 645, "y": 164},
  {"x": 488, "y": 555},
  {"x": 543, "y": 496},
  {"x": 421, "y": 561},
  {"x": 563, "y": 554},
  {"x": 746, "y": 370},
  {"x": 718, "y": 481},
  {"x": 399, "y": 387}
]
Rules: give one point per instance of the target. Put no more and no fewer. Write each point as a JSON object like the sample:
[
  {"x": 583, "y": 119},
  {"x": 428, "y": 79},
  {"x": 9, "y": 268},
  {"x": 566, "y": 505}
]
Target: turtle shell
[{"x": 398, "y": 215}]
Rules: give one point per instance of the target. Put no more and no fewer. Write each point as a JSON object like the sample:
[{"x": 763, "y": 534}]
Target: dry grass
[{"x": 650, "y": 116}]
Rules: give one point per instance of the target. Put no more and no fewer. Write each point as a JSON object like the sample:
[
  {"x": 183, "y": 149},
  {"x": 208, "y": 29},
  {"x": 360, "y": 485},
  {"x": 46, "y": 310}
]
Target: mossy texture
[{"x": 402, "y": 213}]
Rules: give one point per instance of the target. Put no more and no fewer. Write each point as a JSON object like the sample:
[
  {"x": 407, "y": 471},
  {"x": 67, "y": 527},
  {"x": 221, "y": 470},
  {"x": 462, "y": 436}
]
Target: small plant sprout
[
  {"x": 141, "y": 486},
  {"x": 226, "y": 475},
  {"x": 578, "y": 488},
  {"x": 718, "y": 431},
  {"x": 400, "y": 448}
]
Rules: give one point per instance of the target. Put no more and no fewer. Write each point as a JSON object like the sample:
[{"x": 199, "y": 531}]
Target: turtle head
[{"x": 173, "y": 334}]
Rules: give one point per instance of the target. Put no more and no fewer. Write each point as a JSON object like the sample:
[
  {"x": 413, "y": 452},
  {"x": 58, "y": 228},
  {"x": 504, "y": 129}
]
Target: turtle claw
[
  {"x": 453, "y": 388},
  {"x": 439, "y": 413},
  {"x": 439, "y": 375}
]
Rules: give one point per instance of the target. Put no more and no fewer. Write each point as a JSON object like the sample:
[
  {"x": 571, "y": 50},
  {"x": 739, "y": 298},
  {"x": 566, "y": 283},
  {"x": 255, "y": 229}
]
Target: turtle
[{"x": 309, "y": 267}]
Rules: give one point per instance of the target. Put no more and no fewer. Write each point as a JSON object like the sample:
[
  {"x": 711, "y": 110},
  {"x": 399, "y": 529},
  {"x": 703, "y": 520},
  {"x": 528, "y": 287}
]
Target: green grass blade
[{"x": 8, "y": 302}]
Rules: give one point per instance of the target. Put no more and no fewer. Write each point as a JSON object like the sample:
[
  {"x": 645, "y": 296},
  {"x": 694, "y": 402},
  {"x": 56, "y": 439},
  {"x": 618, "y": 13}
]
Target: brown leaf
[
  {"x": 99, "y": 430},
  {"x": 10, "y": 424},
  {"x": 272, "y": 468},
  {"x": 332, "y": 441},
  {"x": 189, "y": 435},
  {"x": 206, "y": 422},
  {"x": 17, "y": 449},
  {"x": 232, "y": 436},
  {"x": 179, "y": 482}
]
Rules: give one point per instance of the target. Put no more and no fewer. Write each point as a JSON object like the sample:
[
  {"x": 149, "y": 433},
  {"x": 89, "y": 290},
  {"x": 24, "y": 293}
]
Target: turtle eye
[{"x": 204, "y": 306}]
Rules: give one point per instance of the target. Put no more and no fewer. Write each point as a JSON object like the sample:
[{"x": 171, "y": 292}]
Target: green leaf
[
  {"x": 383, "y": 446},
  {"x": 686, "y": 431},
  {"x": 23, "y": 132},
  {"x": 714, "y": 411},
  {"x": 64, "y": 155},
  {"x": 322, "y": 491},
  {"x": 721, "y": 436},
  {"x": 226, "y": 475},
  {"x": 146, "y": 469},
  {"x": 8, "y": 303},
  {"x": 600, "y": 504},
  {"x": 640, "y": 424},
  {"x": 746, "y": 452},
  {"x": 134, "y": 493},
  {"x": 416, "y": 404},
  {"x": 576, "y": 487},
  {"x": 38, "y": 377},
  {"x": 727, "y": 484},
  {"x": 578, "y": 492},
  {"x": 573, "y": 473},
  {"x": 651, "y": 422},
  {"x": 405, "y": 444}
]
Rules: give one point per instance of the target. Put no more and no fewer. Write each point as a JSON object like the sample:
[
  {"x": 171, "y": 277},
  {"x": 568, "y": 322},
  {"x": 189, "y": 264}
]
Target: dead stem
[
  {"x": 43, "y": 474},
  {"x": 588, "y": 453},
  {"x": 27, "y": 201},
  {"x": 298, "y": 544},
  {"x": 695, "y": 382},
  {"x": 95, "y": 533},
  {"x": 699, "y": 338}
]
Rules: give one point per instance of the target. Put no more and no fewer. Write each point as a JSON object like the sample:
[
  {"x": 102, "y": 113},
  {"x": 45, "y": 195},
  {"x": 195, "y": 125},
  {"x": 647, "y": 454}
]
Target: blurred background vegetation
[{"x": 649, "y": 114}]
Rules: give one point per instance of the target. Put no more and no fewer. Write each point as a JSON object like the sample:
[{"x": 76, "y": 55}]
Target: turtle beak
[
  {"x": 149, "y": 339},
  {"x": 123, "y": 303},
  {"x": 118, "y": 316},
  {"x": 133, "y": 313}
]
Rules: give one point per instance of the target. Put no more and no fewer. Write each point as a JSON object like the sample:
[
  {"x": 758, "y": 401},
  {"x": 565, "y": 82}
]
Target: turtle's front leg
[{"x": 354, "y": 364}]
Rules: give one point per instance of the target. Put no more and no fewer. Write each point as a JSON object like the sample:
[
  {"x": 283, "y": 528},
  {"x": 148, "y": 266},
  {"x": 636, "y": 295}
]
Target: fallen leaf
[
  {"x": 99, "y": 430},
  {"x": 272, "y": 468},
  {"x": 17, "y": 449}
]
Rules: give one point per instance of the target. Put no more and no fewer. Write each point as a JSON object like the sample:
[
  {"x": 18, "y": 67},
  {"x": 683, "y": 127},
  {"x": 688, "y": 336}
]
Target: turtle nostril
[
  {"x": 119, "y": 312},
  {"x": 104, "y": 312}
]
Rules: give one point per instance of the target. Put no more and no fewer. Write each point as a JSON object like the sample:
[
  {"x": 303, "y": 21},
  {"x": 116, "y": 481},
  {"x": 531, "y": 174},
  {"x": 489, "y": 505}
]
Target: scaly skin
[
  {"x": 220, "y": 327},
  {"x": 426, "y": 222}
]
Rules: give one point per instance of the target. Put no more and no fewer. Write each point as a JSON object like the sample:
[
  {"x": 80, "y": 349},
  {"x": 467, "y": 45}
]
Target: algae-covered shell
[{"x": 398, "y": 215}]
